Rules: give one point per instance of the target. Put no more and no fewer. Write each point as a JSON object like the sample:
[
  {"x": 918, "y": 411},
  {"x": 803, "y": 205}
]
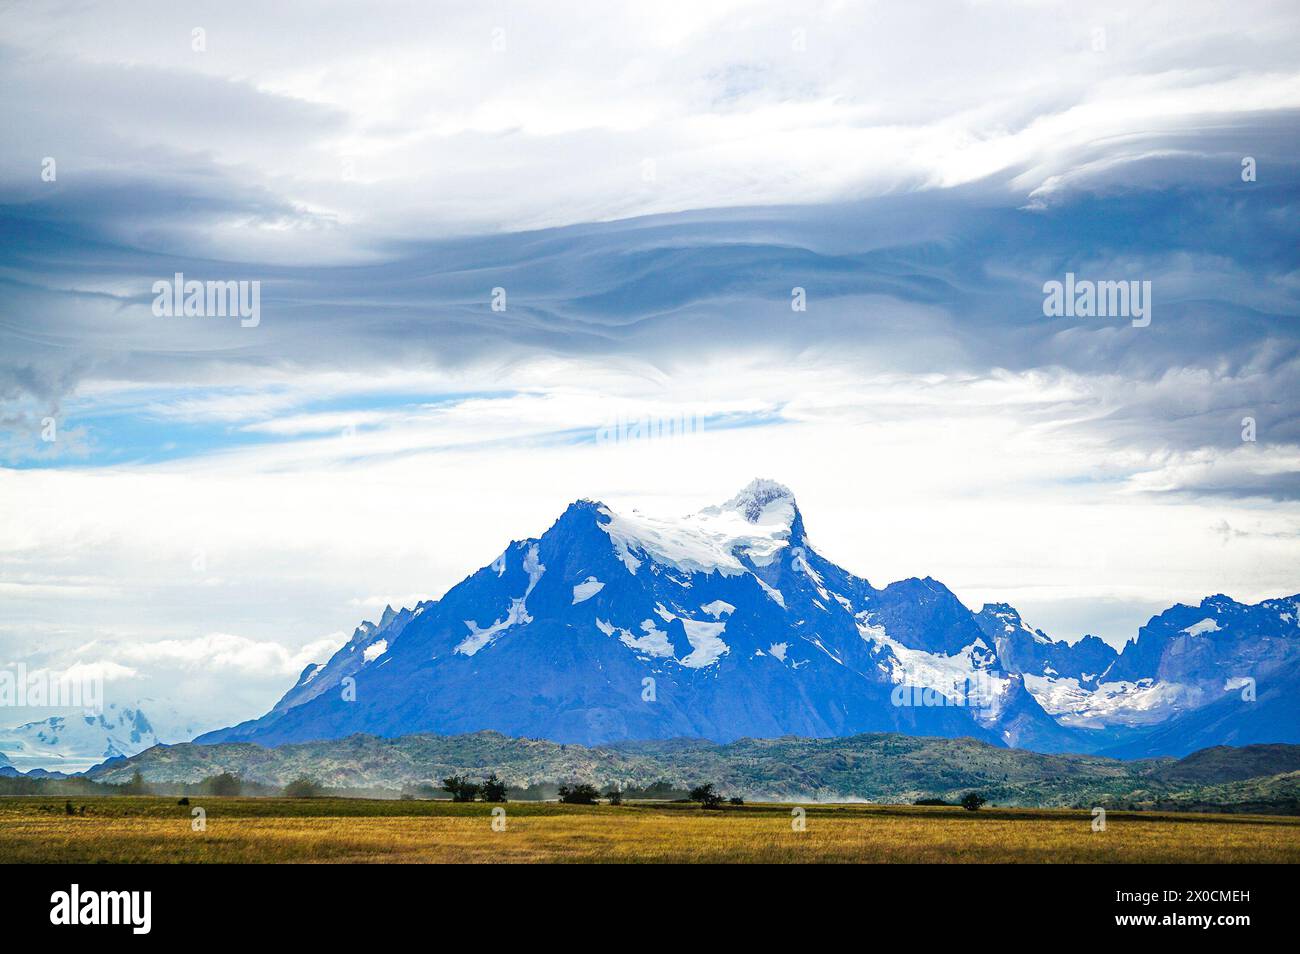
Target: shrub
[
  {"x": 615, "y": 796},
  {"x": 579, "y": 794},
  {"x": 706, "y": 796},
  {"x": 223, "y": 784},
  {"x": 461, "y": 788},
  {"x": 736, "y": 800},
  {"x": 972, "y": 801},
  {"x": 303, "y": 787},
  {"x": 493, "y": 789}
]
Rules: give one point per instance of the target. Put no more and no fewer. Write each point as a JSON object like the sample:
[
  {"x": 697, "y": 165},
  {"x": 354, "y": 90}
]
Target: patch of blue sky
[{"x": 141, "y": 427}]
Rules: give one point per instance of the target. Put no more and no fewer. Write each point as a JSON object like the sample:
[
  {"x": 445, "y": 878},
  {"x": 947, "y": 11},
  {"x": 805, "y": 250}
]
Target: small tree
[
  {"x": 303, "y": 787},
  {"x": 736, "y": 800},
  {"x": 461, "y": 788},
  {"x": 136, "y": 786},
  {"x": 972, "y": 801},
  {"x": 615, "y": 795},
  {"x": 706, "y": 796},
  {"x": 579, "y": 793},
  {"x": 494, "y": 790},
  {"x": 224, "y": 784}
]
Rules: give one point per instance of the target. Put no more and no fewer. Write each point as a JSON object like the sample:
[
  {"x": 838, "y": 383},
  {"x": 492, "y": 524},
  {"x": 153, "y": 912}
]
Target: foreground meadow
[{"x": 150, "y": 829}]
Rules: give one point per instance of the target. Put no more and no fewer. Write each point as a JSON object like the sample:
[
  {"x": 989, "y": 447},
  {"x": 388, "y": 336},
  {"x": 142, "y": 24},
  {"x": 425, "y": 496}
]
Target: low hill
[{"x": 877, "y": 767}]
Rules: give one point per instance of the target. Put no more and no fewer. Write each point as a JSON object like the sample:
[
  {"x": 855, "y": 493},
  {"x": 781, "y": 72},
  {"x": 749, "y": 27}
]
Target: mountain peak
[
  {"x": 1004, "y": 611},
  {"x": 997, "y": 608},
  {"x": 748, "y": 631},
  {"x": 759, "y": 494},
  {"x": 584, "y": 505}
]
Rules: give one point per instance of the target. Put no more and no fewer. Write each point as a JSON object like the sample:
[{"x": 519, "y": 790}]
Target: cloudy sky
[{"x": 222, "y": 504}]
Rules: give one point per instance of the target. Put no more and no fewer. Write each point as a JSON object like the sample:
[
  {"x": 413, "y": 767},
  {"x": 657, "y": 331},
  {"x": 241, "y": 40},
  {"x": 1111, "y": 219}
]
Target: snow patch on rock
[{"x": 586, "y": 590}]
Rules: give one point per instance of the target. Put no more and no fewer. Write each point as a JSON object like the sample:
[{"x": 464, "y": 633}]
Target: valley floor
[{"x": 123, "y": 829}]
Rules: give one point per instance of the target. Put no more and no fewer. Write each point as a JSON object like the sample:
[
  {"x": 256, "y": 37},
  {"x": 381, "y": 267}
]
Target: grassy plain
[{"x": 135, "y": 829}]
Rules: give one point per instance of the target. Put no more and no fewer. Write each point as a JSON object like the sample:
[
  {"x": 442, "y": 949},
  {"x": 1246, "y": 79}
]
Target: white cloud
[
  {"x": 86, "y": 672},
  {"x": 994, "y": 484},
  {"x": 419, "y": 126},
  {"x": 224, "y": 652}
]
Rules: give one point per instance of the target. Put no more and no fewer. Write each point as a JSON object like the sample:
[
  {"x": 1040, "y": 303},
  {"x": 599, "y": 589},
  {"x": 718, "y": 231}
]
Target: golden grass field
[{"x": 154, "y": 829}]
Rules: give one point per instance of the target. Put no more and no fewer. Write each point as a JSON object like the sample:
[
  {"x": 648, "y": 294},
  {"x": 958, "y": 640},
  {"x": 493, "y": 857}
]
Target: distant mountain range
[
  {"x": 74, "y": 743},
  {"x": 728, "y": 624},
  {"x": 878, "y": 767},
  {"x": 69, "y": 744}
]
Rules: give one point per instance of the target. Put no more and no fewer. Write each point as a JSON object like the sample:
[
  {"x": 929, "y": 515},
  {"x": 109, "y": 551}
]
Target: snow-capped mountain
[
  {"x": 73, "y": 743},
  {"x": 728, "y": 623},
  {"x": 1219, "y": 657}
]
